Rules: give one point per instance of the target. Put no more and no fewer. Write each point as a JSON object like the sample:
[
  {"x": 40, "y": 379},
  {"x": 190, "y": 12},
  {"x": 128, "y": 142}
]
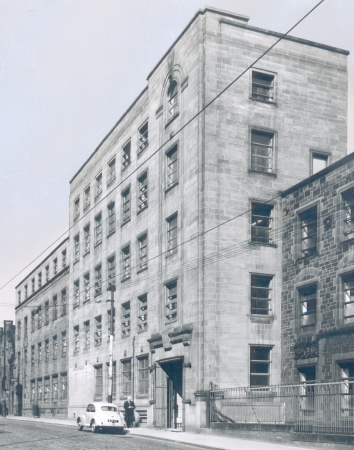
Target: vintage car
[{"x": 99, "y": 416}]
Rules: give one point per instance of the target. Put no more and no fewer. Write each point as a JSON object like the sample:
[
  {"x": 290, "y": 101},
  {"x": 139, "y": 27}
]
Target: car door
[{"x": 88, "y": 414}]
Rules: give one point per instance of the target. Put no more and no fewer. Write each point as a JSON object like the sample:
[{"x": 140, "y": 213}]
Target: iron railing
[{"x": 309, "y": 408}]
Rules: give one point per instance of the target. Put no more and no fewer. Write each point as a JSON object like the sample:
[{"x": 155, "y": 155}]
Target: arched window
[{"x": 172, "y": 98}]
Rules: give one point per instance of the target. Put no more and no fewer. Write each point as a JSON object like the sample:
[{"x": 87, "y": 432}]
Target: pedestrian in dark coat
[
  {"x": 4, "y": 408},
  {"x": 129, "y": 412}
]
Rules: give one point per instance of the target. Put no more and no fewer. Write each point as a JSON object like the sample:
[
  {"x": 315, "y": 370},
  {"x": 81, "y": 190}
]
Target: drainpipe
[
  {"x": 111, "y": 288},
  {"x": 133, "y": 365}
]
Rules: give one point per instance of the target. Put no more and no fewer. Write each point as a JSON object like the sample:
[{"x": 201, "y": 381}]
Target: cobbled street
[{"x": 30, "y": 435}]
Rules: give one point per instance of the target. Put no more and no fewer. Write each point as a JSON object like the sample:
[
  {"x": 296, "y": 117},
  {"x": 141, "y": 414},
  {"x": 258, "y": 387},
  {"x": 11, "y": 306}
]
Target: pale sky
[{"x": 70, "y": 68}]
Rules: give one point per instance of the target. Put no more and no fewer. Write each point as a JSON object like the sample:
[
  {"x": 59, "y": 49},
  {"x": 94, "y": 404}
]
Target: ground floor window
[
  {"x": 126, "y": 377},
  {"x": 347, "y": 376},
  {"x": 64, "y": 386},
  {"x": 114, "y": 380},
  {"x": 55, "y": 388},
  {"x": 98, "y": 383},
  {"x": 143, "y": 375},
  {"x": 46, "y": 390},
  {"x": 260, "y": 364}
]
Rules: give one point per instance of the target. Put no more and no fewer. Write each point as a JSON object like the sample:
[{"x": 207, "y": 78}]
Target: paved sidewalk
[{"x": 196, "y": 439}]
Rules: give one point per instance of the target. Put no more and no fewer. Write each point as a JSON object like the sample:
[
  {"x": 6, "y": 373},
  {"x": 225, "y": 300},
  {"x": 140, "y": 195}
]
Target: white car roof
[{"x": 99, "y": 404}]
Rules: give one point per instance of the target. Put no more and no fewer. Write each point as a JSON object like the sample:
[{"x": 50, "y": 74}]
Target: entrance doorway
[{"x": 169, "y": 388}]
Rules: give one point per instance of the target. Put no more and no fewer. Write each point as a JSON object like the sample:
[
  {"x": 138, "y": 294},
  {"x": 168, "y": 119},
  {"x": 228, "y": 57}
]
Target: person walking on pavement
[
  {"x": 4, "y": 408},
  {"x": 129, "y": 407}
]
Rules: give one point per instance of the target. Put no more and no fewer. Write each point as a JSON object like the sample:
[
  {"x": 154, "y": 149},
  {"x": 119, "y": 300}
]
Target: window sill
[
  {"x": 111, "y": 181},
  {"x": 76, "y": 218},
  {"x": 85, "y": 254},
  {"x": 142, "y": 331},
  {"x": 76, "y": 306},
  {"x": 269, "y": 174},
  {"x": 141, "y": 151},
  {"x": 306, "y": 361},
  {"x": 263, "y": 101},
  {"x": 125, "y": 168},
  {"x": 304, "y": 258},
  {"x": 75, "y": 262},
  {"x": 142, "y": 396},
  {"x": 347, "y": 241},
  {"x": 111, "y": 233},
  {"x": 124, "y": 336},
  {"x": 87, "y": 207},
  {"x": 97, "y": 294},
  {"x": 171, "y": 187},
  {"x": 125, "y": 222},
  {"x": 98, "y": 196},
  {"x": 171, "y": 321},
  {"x": 169, "y": 255},
  {"x": 123, "y": 280},
  {"x": 171, "y": 119},
  {"x": 142, "y": 270},
  {"x": 310, "y": 330},
  {"x": 261, "y": 318},
  {"x": 262, "y": 244},
  {"x": 86, "y": 301},
  {"x": 98, "y": 244},
  {"x": 141, "y": 210}
]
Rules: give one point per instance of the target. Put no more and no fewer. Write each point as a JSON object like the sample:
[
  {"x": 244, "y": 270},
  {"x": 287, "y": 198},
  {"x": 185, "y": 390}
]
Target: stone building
[
  {"x": 195, "y": 307},
  {"x": 42, "y": 335},
  {"x": 7, "y": 363},
  {"x": 318, "y": 276}
]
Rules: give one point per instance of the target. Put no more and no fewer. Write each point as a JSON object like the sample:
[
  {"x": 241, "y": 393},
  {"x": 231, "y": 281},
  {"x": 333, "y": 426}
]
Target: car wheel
[
  {"x": 79, "y": 426},
  {"x": 94, "y": 428}
]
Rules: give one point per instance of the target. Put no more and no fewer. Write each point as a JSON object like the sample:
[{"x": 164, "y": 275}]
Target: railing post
[{"x": 207, "y": 409}]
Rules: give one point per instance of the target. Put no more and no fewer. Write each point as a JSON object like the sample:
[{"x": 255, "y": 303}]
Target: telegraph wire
[
  {"x": 166, "y": 142},
  {"x": 220, "y": 255}
]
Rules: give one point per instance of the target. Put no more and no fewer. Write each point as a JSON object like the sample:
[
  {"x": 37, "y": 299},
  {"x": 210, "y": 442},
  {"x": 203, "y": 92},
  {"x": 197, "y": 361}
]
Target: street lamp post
[{"x": 111, "y": 288}]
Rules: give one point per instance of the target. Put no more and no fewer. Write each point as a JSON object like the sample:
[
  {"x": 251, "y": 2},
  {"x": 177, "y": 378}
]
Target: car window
[
  {"x": 93, "y": 409},
  {"x": 109, "y": 408},
  {"x": 88, "y": 408}
]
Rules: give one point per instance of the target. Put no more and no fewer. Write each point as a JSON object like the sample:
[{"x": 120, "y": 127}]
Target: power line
[
  {"x": 166, "y": 142},
  {"x": 224, "y": 253}
]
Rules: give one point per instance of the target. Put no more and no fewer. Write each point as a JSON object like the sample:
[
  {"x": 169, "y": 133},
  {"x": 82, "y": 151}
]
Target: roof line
[
  {"x": 47, "y": 257},
  {"x": 249, "y": 27},
  {"x": 290, "y": 38},
  {"x": 317, "y": 175},
  {"x": 199, "y": 12},
  {"x": 109, "y": 132}
]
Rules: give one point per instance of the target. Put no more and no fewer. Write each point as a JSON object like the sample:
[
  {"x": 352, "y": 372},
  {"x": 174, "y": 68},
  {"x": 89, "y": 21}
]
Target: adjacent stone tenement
[
  {"x": 42, "y": 336},
  {"x": 318, "y": 275}
]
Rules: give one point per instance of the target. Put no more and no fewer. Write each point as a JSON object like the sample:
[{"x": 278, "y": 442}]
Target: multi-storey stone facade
[
  {"x": 9, "y": 383},
  {"x": 318, "y": 276},
  {"x": 42, "y": 335},
  {"x": 197, "y": 301}
]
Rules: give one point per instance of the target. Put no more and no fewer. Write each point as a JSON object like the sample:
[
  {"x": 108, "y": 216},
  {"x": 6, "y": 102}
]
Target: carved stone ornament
[
  {"x": 155, "y": 341},
  {"x": 327, "y": 223},
  {"x": 306, "y": 350},
  {"x": 181, "y": 334}
]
